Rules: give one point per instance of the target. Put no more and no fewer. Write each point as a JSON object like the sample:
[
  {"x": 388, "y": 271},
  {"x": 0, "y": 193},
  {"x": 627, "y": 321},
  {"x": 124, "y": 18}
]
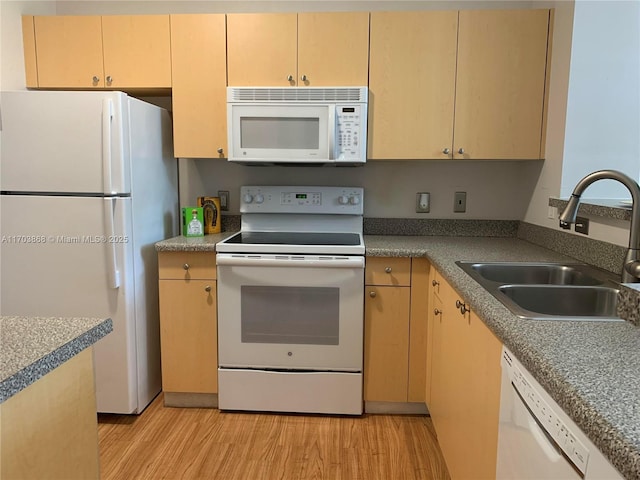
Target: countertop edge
[{"x": 45, "y": 364}]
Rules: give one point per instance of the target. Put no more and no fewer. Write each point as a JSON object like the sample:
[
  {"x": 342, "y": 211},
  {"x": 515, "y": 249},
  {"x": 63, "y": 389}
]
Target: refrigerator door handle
[
  {"x": 107, "y": 117},
  {"x": 114, "y": 273}
]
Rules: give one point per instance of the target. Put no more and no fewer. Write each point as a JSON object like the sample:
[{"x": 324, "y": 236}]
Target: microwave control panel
[{"x": 350, "y": 132}]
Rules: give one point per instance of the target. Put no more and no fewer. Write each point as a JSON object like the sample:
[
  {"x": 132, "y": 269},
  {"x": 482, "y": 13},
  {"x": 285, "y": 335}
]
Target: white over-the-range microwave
[{"x": 297, "y": 125}]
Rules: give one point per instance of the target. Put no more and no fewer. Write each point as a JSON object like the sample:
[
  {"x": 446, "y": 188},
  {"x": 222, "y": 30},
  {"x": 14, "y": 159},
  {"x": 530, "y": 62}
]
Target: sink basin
[
  {"x": 541, "y": 301},
  {"x": 549, "y": 291},
  {"x": 533, "y": 273}
]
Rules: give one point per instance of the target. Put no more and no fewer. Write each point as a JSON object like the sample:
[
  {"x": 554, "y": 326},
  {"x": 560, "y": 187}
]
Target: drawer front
[
  {"x": 187, "y": 265},
  {"x": 388, "y": 271}
]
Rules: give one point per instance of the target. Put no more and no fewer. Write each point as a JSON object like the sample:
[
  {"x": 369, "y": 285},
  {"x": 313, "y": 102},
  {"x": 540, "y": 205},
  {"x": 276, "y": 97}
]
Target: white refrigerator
[{"x": 88, "y": 185}]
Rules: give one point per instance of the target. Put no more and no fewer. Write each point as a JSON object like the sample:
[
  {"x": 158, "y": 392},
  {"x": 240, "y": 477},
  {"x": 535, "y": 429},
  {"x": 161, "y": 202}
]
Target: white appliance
[
  {"x": 290, "y": 302},
  {"x": 536, "y": 439},
  {"x": 88, "y": 186},
  {"x": 299, "y": 125}
]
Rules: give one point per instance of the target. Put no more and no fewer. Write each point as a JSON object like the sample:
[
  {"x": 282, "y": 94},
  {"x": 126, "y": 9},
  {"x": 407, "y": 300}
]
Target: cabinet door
[
  {"x": 69, "y": 51},
  {"x": 386, "y": 337},
  {"x": 333, "y": 49},
  {"x": 137, "y": 51},
  {"x": 412, "y": 84},
  {"x": 199, "y": 91},
  {"x": 484, "y": 381},
  {"x": 420, "y": 268},
  {"x": 500, "y": 83},
  {"x": 188, "y": 336},
  {"x": 261, "y": 49}
]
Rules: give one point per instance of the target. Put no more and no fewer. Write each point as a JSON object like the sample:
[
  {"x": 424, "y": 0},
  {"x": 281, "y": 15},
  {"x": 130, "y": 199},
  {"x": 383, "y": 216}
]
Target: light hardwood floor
[{"x": 180, "y": 443}]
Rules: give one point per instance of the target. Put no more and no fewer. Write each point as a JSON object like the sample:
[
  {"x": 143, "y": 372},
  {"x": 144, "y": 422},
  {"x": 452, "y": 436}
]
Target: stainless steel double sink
[{"x": 549, "y": 291}]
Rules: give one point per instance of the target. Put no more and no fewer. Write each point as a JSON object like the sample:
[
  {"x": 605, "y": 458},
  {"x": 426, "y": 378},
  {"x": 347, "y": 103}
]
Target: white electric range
[{"x": 290, "y": 302}]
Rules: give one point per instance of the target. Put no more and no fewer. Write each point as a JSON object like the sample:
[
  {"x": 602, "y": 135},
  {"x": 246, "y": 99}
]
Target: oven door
[{"x": 290, "y": 312}]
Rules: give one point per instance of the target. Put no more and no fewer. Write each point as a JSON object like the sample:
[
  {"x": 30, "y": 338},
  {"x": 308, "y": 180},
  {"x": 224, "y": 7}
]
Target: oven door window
[{"x": 290, "y": 315}]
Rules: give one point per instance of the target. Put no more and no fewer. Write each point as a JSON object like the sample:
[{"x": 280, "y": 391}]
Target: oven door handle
[{"x": 303, "y": 262}]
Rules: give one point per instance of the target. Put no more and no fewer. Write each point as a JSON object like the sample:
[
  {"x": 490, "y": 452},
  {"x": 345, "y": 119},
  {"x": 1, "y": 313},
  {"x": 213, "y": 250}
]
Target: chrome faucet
[{"x": 631, "y": 267}]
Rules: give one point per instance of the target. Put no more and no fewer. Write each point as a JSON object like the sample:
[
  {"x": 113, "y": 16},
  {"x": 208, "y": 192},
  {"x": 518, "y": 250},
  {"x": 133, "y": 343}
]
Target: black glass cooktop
[{"x": 294, "y": 238}]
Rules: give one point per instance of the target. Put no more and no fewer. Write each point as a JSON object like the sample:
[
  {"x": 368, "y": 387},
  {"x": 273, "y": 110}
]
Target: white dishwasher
[{"x": 536, "y": 439}]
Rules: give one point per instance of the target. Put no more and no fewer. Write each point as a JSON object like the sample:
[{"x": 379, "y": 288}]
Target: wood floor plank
[{"x": 194, "y": 444}]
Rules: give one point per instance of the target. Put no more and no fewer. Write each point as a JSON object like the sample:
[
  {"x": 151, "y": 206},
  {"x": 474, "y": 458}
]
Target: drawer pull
[
  {"x": 437, "y": 312},
  {"x": 387, "y": 269},
  {"x": 186, "y": 266},
  {"x": 462, "y": 306},
  {"x": 372, "y": 294},
  {"x": 435, "y": 283}
]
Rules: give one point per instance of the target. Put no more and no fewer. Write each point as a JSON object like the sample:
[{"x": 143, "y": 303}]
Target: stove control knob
[
  {"x": 343, "y": 199},
  {"x": 354, "y": 200},
  {"x": 248, "y": 198},
  {"x": 259, "y": 198}
]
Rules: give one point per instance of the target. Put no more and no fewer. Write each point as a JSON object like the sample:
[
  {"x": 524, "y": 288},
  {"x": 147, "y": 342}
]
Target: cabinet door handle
[
  {"x": 372, "y": 294},
  {"x": 446, "y": 151},
  {"x": 290, "y": 78},
  {"x": 109, "y": 79},
  {"x": 387, "y": 269},
  {"x": 435, "y": 283},
  {"x": 95, "y": 79},
  {"x": 303, "y": 78},
  {"x": 207, "y": 288},
  {"x": 220, "y": 150},
  {"x": 437, "y": 312},
  {"x": 461, "y": 151},
  {"x": 185, "y": 266}
]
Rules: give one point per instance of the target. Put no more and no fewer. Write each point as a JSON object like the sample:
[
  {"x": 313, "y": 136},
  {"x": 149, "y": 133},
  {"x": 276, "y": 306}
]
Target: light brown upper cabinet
[
  {"x": 199, "y": 76},
  {"x": 463, "y": 85},
  {"x": 305, "y": 49},
  {"x": 500, "y": 85},
  {"x": 120, "y": 51},
  {"x": 412, "y": 84},
  {"x": 137, "y": 51}
]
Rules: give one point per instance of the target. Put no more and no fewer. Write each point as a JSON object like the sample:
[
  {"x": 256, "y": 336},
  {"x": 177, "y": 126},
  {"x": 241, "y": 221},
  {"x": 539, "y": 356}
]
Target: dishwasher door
[{"x": 536, "y": 439}]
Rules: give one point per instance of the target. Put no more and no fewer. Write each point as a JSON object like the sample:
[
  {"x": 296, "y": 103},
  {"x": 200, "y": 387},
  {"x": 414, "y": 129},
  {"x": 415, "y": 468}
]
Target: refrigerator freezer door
[
  {"x": 58, "y": 260},
  {"x": 53, "y": 142}
]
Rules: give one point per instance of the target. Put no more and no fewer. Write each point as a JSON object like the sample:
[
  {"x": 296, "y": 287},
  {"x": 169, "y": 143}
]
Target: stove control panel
[{"x": 303, "y": 200}]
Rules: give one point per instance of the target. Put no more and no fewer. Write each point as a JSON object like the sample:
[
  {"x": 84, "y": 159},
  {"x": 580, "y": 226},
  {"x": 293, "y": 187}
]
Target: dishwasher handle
[{"x": 302, "y": 261}]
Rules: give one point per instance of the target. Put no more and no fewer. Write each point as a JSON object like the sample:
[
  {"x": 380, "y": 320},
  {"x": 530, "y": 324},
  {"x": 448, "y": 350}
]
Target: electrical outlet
[
  {"x": 423, "y": 202},
  {"x": 224, "y": 199},
  {"x": 460, "y": 202},
  {"x": 582, "y": 225}
]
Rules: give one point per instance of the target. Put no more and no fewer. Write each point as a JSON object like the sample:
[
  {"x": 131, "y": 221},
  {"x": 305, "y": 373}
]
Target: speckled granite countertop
[
  {"x": 591, "y": 369},
  {"x": 192, "y": 244},
  {"x": 34, "y": 346}
]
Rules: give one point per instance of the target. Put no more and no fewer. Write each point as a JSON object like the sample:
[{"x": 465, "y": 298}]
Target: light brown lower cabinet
[
  {"x": 395, "y": 329},
  {"x": 188, "y": 328},
  {"x": 49, "y": 429},
  {"x": 463, "y": 393}
]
